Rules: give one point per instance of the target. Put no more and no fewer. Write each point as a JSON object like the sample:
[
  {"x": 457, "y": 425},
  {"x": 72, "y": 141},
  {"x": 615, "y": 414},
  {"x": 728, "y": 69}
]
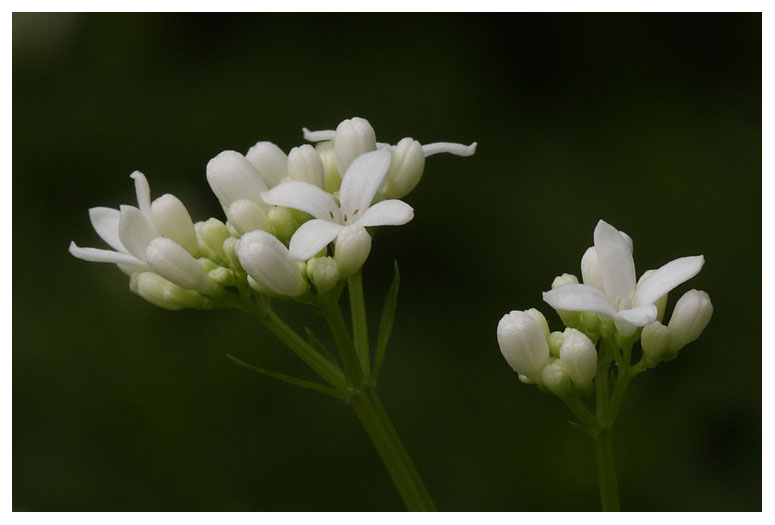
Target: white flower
[
  {"x": 353, "y": 208},
  {"x": 158, "y": 236},
  {"x": 613, "y": 292},
  {"x": 355, "y": 136}
]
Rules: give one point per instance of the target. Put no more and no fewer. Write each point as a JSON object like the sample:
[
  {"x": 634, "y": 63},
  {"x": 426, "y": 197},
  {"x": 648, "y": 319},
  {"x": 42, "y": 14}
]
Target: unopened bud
[
  {"x": 171, "y": 261},
  {"x": 579, "y": 357},
  {"x": 270, "y": 162},
  {"x": 568, "y": 317},
  {"x": 210, "y": 235},
  {"x": 331, "y": 173},
  {"x": 523, "y": 344},
  {"x": 352, "y": 248},
  {"x": 655, "y": 341},
  {"x": 406, "y": 168},
  {"x": 324, "y": 273},
  {"x": 247, "y": 216},
  {"x": 283, "y": 222},
  {"x": 304, "y": 165},
  {"x": 539, "y": 318},
  {"x": 555, "y": 378},
  {"x": 555, "y": 340},
  {"x": 162, "y": 293},
  {"x": 232, "y": 177},
  {"x": 267, "y": 261},
  {"x": 172, "y": 220},
  {"x": 354, "y": 137},
  {"x": 690, "y": 316}
]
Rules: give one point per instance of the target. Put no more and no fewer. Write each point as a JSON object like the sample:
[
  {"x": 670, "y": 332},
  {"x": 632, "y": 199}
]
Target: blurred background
[{"x": 651, "y": 122}]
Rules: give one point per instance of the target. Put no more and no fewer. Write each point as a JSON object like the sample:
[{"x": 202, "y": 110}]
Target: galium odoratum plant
[
  {"x": 605, "y": 317},
  {"x": 299, "y": 228}
]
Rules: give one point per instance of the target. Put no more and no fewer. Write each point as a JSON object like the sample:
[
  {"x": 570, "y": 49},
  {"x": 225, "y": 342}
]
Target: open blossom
[
  {"x": 352, "y": 209},
  {"x": 610, "y": 286},
  {"x": 156, "y": 236}
]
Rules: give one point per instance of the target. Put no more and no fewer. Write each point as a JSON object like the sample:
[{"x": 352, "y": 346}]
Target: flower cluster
[
  {"x": 296, "y": 223},
  {"x": 610, "y": 304}
]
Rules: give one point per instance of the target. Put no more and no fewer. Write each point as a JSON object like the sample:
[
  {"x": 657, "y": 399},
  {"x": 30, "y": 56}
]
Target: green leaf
[
  {"x": 386, "y": 322},
  {"x": 318, "y": 345},
  {"x": 289, "y": 379}
]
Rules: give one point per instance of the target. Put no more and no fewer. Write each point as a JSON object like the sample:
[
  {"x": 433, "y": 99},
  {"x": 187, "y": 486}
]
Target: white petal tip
[
  {"x": 454, "y": 148},
  {"x": 318, "y": 136}
]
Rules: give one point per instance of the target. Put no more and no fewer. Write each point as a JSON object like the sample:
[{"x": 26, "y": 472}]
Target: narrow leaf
[
  {"x": 288, "y": 379},
  {"x": 318, "y": 345},
  {"x": 386, "y": 321}
]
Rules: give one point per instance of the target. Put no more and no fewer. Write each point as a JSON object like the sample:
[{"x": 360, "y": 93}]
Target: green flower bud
[
  {"x": 556, "y": 380},
  {"x": 655, "y": 341},
  {"x": 572, "y": 319},
  {"x": 210, "y": 236},
  {"x": 324, "y": 273},
  {"x": 331, "y": 173},
  {"x": 283, "y": 222},
  {"x": 160, "y": 292},
  {"x": 555, "y": 340},
  {"x": 352, "y": 248}
]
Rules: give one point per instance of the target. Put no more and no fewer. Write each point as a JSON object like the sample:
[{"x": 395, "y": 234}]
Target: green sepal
[
  {"x": 309, "y": 385},
  {"x": 386, "y": 321}
]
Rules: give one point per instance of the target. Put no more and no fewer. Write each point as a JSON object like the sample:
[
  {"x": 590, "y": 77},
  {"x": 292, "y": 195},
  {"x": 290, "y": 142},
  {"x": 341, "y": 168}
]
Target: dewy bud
[
  {"x": 232, "y": 177},
  {"x": 267, "y": 261},
  {"x": 172, "y": 220},
  {"x": 691, "y": 315},
  {"x": 331, "y": 171},
  {"x": 555, "y": 341},
  {"x": 556, "y": 379},
  {"x": 352, "y": 248},
  {"x": 270, "y": 161},
  {"x": 523, "y": 344},
  {"x": 568, "y": 317},
  {"x": 304, "y": 165},
  {"x": 655, "y": 341},
  {"x": 171, "y": 261},
  {"x": 406, "y": 168},
  {"x": 283, "y": 222},
  {"x": 579, "y": 357},
  {"x": 162, "y": 293},
  {"x": 247, "y": 216},
  {"x": 324, "y": 273},
  {"x": 539, "y": 318},
  {"x": 562, "y": 280},
  {"x": 354, "y": 137},
  {"x": 211, "y": 234}
]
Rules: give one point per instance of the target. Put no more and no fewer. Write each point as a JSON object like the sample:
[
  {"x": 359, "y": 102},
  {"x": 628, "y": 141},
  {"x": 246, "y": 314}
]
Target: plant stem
[
  {"x": 606, "y": 471},
  {"x": 399, "y": 465},
  {"x": 360, "y": 326},
  {"x": 327, "y": 370},
  {"x": 344, "y": 343}
]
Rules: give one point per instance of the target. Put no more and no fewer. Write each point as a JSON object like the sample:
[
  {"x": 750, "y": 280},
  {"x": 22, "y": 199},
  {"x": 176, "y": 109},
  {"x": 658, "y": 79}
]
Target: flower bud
[
  {"x": 562, "y": 280},
  {"x": 690, "y": 316},
  {"x": 283, "y": 222},
  {"x": 569, "y": 318},
  {"x": 171, "y": 219},
  {"x": 556, "y": 379},
  {"x": 304, "y": 165},
  {"x": 555, "y": 340},
  {"x": 171, "y": 261},
  {"x": 267, "y": 261},
  {"x": 331, "y": 173},
  {"x": 324, "y": 273},
  {"x": 579, "y": 357},
  {"x": 247, "y": 216},
  {"x": 523, "y": 344},
  {"x": 162, "y": 293},
  {"x": 354, "y": 137},
  {"x": 232, "y": 177},
  {"x": 270, "y": 162},
  {"x": 590, "y": 270},
  {"x": 210, "y": 235},
  {"x": 539, "y": 318},
  {"x": 655, "y": 341},
  {"x": 222, "y": 276},
  {"x": 352, "y": 248},
  {"x": 406, "y": 168},
  {"x": 230, "y": 250}
]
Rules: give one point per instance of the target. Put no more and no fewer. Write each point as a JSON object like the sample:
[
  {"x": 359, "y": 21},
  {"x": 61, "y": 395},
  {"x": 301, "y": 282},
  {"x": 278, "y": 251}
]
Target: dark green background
[{"x": 651, "y": 122}]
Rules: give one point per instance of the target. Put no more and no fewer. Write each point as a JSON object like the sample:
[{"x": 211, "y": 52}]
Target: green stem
[
  {"x": 399, "y": 465},
  {"x": 360, "y": 326},
  {"x": 606, "y": 471},
  {"x": 588, "y": 420},
  {"x": 620, "y": 388},
  {"x": 344, "y": 343},
  {"x": 327, "y": 370}
]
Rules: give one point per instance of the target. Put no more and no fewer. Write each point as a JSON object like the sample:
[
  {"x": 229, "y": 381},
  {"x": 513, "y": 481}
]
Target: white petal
[
  {"x": 579, "y": 298},
  {"x": 105, "y": 223},
  {"x": 247, "y": 216},
  {"x": 172, "y": 220},
  {"x": 270, "y": 161},
  {"x": 666, "y": 278},
  {"x": 617, "y": 269},
  {"x": 319, "y": 136},
  {"x": 231, "y": 177},
  {"x": 305, "y": 165},
  {"x": 174, "y": 263},
  {"x": 135, "y": 231},
  {"x": 267, "y": 261},
  {"x": 590, "y": 270},
  {"x": 143, "y": 191},
  {"x": 108, "y": 256},
  {"x": 449, "y": 147},
  {"x": 639, "y": 316},
  {"x": 302, "y": 196},
  {"x": 386, "y": 213},
  {"x": 362, "y": 180},
  {"x": 312, "y": 237}
]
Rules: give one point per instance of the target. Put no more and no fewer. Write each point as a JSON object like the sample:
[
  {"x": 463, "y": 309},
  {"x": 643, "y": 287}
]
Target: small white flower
[
  {"x": 614, "y": 291},
  {"x": 353, "y": 208},
  {"x": 267, "y": 261},
  {"x": 132, "y": 231}
]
